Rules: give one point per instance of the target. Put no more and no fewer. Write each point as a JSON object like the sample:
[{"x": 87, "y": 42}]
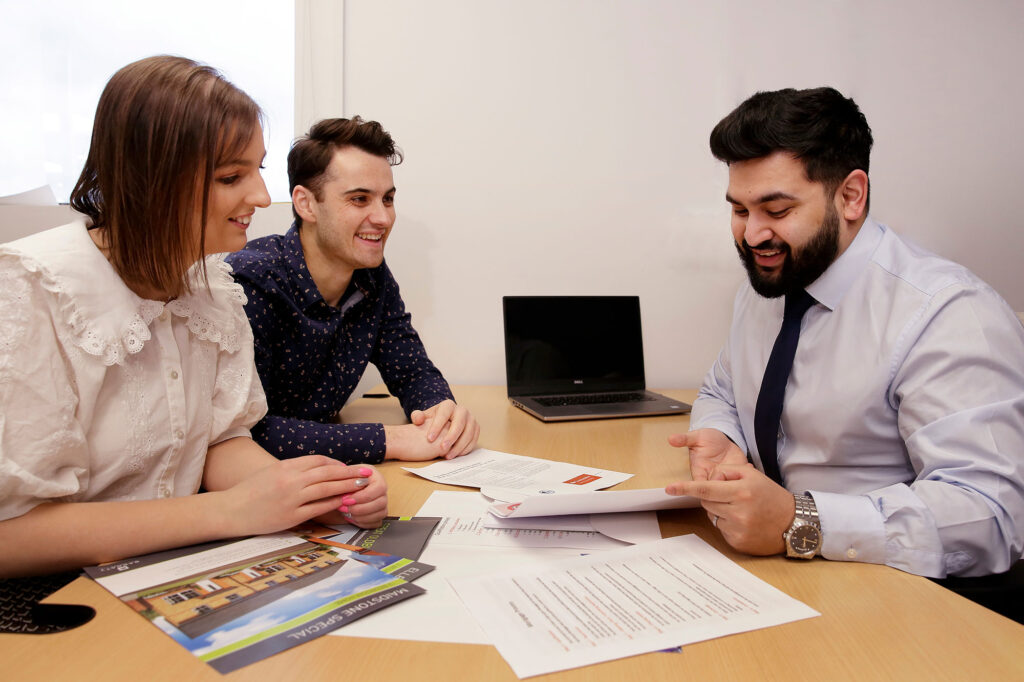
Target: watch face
[{"x": 805, "y": 539}]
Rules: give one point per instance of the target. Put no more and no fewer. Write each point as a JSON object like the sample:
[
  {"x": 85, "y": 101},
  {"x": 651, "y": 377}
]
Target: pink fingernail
[
  {"x": 348, "y": 500},
  {"x": 365, "y": 471},
  {"x": 343, "y": 509}
]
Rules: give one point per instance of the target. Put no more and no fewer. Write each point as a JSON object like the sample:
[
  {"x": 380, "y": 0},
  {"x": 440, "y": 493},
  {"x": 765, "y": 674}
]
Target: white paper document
[
  {"x": 512, "y": 477},
  {"x": 463, "y": 524},
  {"x": 619, "y": 603},
  {"x": 565, "y": 522},
  {"x": 438, "y": 615},
  {"x": 631, "y": 527},
  {"x": 595, "y": 502}
]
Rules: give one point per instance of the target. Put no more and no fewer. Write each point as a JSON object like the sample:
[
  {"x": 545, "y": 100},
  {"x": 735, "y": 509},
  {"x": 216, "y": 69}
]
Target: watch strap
[
  {"x": 805, "y": 515},
  {"x": 806, "y": 509}
]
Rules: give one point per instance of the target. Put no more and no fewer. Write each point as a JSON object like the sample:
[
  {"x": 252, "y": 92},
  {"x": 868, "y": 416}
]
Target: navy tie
[{"x": 773, "y": 387}]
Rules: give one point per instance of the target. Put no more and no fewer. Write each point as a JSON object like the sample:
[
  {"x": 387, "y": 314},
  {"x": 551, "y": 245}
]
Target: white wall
[{"x": 560, "y": 147}]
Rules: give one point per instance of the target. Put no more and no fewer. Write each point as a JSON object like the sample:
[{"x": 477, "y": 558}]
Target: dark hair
[
  {"x": 311, "y": 154},
  {"x": 819, "y": 126},
  {"x": 163, "y": 124}
]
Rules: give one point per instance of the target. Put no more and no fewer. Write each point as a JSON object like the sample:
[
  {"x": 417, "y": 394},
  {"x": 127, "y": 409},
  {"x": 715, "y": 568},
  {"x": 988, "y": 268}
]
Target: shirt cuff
[
  {"x": 366, "y": 453},
  {"x": 852, "y": 529},
  {"x": 425, "y": 402}
]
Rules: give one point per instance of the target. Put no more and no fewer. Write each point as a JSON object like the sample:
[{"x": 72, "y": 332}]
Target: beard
[{"x": 799, "y": 268}]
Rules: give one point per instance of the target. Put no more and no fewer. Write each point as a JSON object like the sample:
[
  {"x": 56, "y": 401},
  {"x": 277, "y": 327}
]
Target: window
[
  {"x": 62, "y": 52},
  {"x": 178, "y": 597}
]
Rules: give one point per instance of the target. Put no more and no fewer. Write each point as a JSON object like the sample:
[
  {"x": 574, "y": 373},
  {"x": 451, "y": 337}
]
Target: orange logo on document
[{"x": 583, "y": 479}]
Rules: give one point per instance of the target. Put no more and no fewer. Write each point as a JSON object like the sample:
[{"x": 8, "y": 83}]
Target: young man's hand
[{"x": 444, "y": 430}]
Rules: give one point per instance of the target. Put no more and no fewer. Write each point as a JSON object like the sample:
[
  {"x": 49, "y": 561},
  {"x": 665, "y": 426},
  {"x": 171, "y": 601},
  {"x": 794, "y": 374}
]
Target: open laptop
[{"x": 578, "y": 357}]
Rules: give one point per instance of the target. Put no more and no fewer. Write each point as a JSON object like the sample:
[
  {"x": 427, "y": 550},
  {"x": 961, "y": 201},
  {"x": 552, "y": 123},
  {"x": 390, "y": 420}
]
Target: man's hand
[
  {"x": 444, "y": 430},
  {"x": 709, "y": 449},
  {"x": 408, "y": 442},
  {"x": 750, "y": 510}
]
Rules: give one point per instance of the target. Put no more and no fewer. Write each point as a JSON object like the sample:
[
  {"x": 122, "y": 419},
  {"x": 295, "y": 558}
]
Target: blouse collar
[{"x": 109, "y": 320}]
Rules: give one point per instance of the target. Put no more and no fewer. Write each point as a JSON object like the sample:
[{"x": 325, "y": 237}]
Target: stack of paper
[{"x": 541, "y": 563}]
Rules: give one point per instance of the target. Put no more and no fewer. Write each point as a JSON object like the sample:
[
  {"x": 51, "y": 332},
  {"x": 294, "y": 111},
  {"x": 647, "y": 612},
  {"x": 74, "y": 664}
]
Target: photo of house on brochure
[
  {"x": 399, "y": 536},
  {"x": 234, "y": 603}
]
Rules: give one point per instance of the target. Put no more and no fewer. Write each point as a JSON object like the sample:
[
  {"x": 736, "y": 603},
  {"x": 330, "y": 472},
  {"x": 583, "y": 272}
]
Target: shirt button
[
  {"x": 163, "y": 316},
  {"x": 179, "y": 434},
  {"x": 164, "y": 492},
  {"x": 174, "y": 374},
  {"x": 851, "y": 553}
]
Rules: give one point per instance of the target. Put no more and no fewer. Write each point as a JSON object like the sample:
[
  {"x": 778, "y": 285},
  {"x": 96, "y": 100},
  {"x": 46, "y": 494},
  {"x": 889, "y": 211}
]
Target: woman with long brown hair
[{"x": 127, "y": 381}]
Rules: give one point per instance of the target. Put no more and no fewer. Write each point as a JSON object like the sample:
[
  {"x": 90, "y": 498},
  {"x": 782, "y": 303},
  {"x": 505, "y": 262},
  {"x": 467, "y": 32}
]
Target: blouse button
[
  {"x": 851, "y": 553},
  {"x": 174, "y": 374},
  {"x": 179, "y": 434},
  {"x": 163, "y": 316},
  {"x": 164, "y": 492}
]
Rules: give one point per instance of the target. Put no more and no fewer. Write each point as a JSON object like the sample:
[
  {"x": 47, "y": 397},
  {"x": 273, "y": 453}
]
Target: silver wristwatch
[{"x": 803, "y": 539}]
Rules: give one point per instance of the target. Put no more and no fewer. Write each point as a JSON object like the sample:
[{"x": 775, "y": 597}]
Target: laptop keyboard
[
  {"x": 593, "y": 399},
  {"x": 21, "y": 612}
]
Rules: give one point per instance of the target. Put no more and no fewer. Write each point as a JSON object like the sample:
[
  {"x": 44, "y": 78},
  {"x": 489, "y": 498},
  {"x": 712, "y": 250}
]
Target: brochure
[
  {"x": 236, "y": 602},
  {"x": 403, "y": 536}
]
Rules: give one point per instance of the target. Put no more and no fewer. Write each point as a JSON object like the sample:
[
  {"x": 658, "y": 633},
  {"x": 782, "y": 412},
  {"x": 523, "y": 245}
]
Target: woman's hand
[
  {"x": 292, "y": 491},
  {"x": 369, "y": 504}
]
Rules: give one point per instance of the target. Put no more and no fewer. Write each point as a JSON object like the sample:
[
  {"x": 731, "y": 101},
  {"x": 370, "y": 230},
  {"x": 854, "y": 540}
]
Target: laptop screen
[{"x": 572, "y": 344}]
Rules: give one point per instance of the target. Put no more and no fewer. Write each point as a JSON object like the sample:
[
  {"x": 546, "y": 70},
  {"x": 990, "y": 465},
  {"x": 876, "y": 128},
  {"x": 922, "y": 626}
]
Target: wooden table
[{"x": 877, "y": 623}]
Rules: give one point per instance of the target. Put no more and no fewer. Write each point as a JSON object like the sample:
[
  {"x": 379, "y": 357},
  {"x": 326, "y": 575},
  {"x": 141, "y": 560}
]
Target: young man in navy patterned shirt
[{"x": 323, "y": 304}]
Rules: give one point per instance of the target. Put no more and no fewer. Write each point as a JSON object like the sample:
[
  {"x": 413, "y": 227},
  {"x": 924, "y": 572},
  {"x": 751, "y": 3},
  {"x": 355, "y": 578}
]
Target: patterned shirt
[{"x": 310, "y": 355}]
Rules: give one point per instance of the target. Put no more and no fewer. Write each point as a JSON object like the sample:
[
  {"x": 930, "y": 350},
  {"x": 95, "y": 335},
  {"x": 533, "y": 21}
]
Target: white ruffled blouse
[{"x": 108, "y": 396}]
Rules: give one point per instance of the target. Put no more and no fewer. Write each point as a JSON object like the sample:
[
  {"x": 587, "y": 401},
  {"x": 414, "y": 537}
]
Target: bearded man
[{"x": 868, "y": 404}]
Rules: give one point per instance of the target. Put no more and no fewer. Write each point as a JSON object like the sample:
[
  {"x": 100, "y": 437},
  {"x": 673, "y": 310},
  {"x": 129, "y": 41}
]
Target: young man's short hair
[{"x": 311, "y": 154}]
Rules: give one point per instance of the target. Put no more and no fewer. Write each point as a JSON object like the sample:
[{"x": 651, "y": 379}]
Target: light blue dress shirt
[{"x": 904, "y": 411}]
